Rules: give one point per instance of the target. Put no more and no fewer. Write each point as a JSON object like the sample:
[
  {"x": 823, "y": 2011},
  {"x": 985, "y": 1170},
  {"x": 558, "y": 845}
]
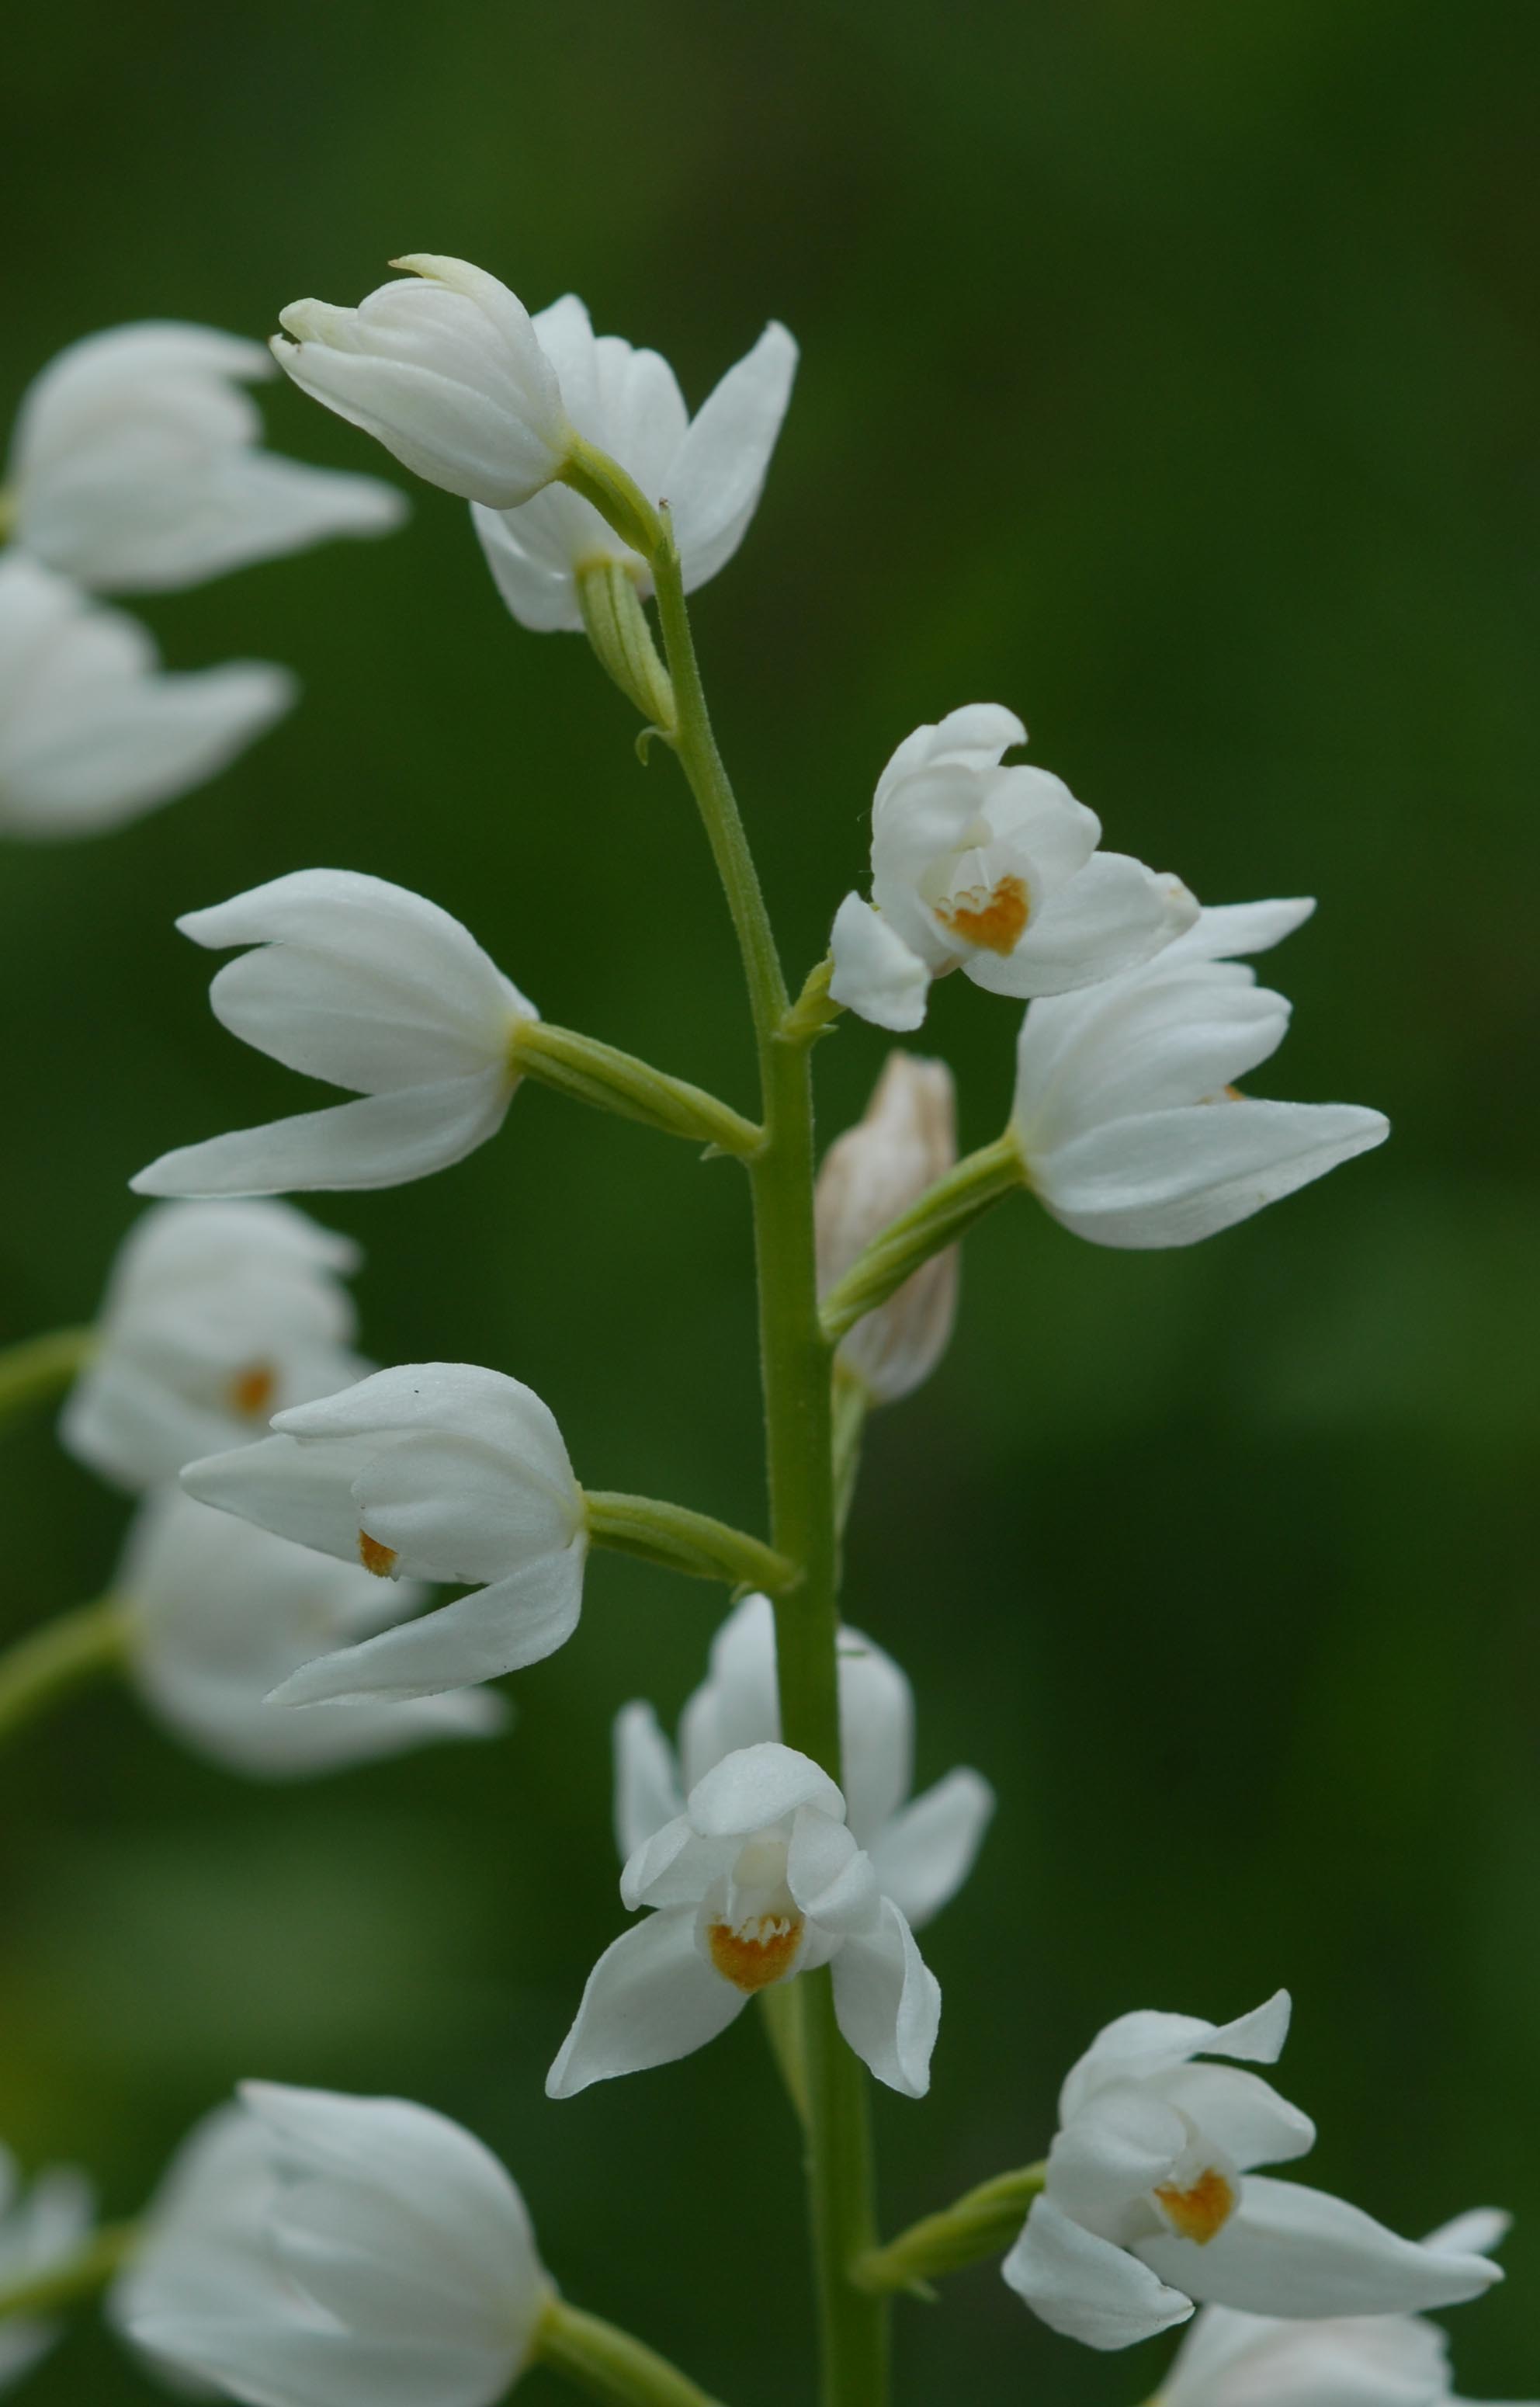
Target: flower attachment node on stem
[
  {"x": 42, "y": 1668},
  {"x": 814, "y": 1011},
  {"x": 985, "y": 2222},
  {"x": 678, "y": 1540},
  {"x": 944, "y": 1213},
  {"x": 614, "y": 1081}
]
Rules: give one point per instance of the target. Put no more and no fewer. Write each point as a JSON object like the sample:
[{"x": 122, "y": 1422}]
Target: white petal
[
  {"x": 976, "y": 736},
  {"x": 1107, "y": 2159},
  {"x": 117, "y": 747},
  {"x": 274, "y": 2364},
  {"x": 647, "y": 1793},
  {"x": 926, "y": 1852},
  {"x": 889, "y": 2004},
  {"x": 876, "y": 1735},
  {"x": 1155, "y": 1042},
  {"x": 1108, "y": 917},
  {"x": 676, "y": 1866},
  {"x": 830, "y": 1877},
  {"x": 875, "y": 973},
  {"x": 518, "y": 1621},
  {"x": 298, "y": 1492},
  {"x": 736, "y": 1705},
  {"x": 758, "y": 1786},
  {"x": 717, "y": 475},
  {"x": 1226, "y": 929},
  {"x": 1085, "y": 2287},
  {"x": 1145, "y": 2042},
  {"x": 650, "y": 1999},
  {"x": 377, "y": 1141},
  {"x": 1475, "y": 2233},
  {"x": 1291, "y": 2251},
  {"x": 1243, "y": 2115},
  {"x": 1171, "y": 1178},
  {"x": 537, "y": 583}
]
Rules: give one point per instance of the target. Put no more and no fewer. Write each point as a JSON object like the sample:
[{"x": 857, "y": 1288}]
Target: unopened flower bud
[{"x": 906, "y": 1139}]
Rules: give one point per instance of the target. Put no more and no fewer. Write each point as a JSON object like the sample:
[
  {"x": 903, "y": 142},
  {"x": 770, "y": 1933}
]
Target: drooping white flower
[
  {"x": 922, "y": 1848},
  {"x": 93, "y": 730},
  {"x": 994, "y": 871},
  {"x": 1126, "y": 1104},
  {"x": 435, "y": 1471},
  {"x": 216, "y": 1316},
  {"x": 1228, "y": 2359},
  {"x": 136, "y": 466},
  {"x": 312, "y": 2250},
  {"x": 1152, "y": 2203},
  {"x": 444, "y": 367},
  {"x": 369, "y": 987},
  {"x": 218, "y": 1613},
  {"x": 758, "y": 1880},
  {"x": 904, "y": 1140},
  {"x": 40, "y": 2227},
  {"x": 710, "y": 469}
]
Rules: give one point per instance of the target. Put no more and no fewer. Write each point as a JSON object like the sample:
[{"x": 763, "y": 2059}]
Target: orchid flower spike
[
  {"x": 994, "y": 871},
  {"x": 216, "y": 1314},
  {"x": 218, "y": 1613},
  {"x": 904, "y": 1140},
  {"x": 435, "y": 1471},
  {"x": 758, "y": 1880},
  {"x": 41, "y": 2228},
  {"x": 366, "y": 985},
  {"x": 710, "y": 470},
  {"x": 1125, "y": 1109},
  {"x": 136, "y": 466},
  {"x": 312, "y": 2250},
  {"x": 92, "y": 732},
  {"x": 922, "y": 1848},
  {"x": 1151, "y": 2202},
  {"x": 1228, "y": 2359}
]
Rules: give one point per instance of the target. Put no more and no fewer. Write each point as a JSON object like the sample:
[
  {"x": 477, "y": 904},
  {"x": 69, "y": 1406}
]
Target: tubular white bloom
[
  {"x": 922, "y": 1848},
  {"x": 993, "y": 870},
  {"x": 1151, "y": 2202},
  {"x": 368, "y": 986},
  {"x": 135, "y": 466},
  {"x": 216, "y": 1314},
  {"x": 710, "y": 470},
  {"x": 93, "y": 730},
  {"x": 1228, "y": 2359},
  {"x": 1125, "y": 1103},
  {"x": 435, "y": 1471},
  {"x": 444, "y": 367},
  {"x": 39, "y": 2229},
  {"x": 758, "y": 1879},
  {"x": 220, "y": 1613},
  {"x": 904, "y": 1140},
  {"x": 312, "y": 2250}
]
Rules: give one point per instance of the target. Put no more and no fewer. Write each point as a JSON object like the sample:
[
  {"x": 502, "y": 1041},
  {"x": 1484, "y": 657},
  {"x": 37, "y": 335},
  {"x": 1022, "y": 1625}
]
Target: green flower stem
[
  {"x": 851, "y": 1405},
  {"x": 940, "y": 1217},
  {"x": 984, "y": 2223},
  {"x": 88, "y": 2271},
  {"x": 618, "y": 629},
  {"x": 45, "y": 1665},
  {"x": 618, "y": 1082},
  {"x": 608, "y": 2363},
  {"x": 41, "y": 1368},
  {"x": 618, "y": 499},
  {"x": 682, "y": 1541},
  {"x": 795, "y": 1367}
]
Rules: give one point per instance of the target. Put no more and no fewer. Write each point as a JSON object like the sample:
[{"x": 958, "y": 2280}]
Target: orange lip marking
[
  {"x": 1200, "y": 2212},
  {"x": 993, "y": 917},
  {"x": 375, "y": 1558},
  {"x": 250, "y": 1391},
  {"x": 750, "y": 1959}
]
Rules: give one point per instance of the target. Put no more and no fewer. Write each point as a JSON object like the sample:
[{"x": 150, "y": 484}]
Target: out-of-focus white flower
[
  {"x": 710, "y": 470},
  {"x": 40, "y": 2228},
  {"x": 311, "y": 2250},
  {"x": 216, "y": 1316},
  {"x": 369, "y": 987},
  {"x": 1126, "y": 1109},
  {"x": 218, "y": 1613},
  {"x": 993, "y": 870},
  {"x": 758, "y": 1880},
  {"x": 135, "y": 466},
  {"x": 93, "y": 730},
  {"x": 906, "y": 1139},
  {"x": 922, "y": 1848},
  {"x": 1228, "y": 2359},
  {"x": 1152, "y": 2203},
  {"x": 444, "y": 367},
  {"x": 435, "y": 1471}
]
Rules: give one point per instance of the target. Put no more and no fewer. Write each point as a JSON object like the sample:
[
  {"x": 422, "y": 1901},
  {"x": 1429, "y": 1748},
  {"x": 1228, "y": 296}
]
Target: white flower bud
[{"x": 906, "y": 1139}]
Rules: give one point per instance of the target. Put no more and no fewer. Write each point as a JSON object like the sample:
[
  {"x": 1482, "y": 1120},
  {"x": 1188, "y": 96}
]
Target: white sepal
[
  {"x": 42, "y": 2226},
  {"x": 904, "y": 1140}
]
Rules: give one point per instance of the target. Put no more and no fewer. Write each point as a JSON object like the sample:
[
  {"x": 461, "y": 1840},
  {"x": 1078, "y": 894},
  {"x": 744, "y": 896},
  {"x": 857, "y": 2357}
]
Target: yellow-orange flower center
[
  {"x": 375, "y": 1558},
  {"x": 1201, "y": 2211},
  {"x": 251, "y": 1391},
  {"x": 756, "y": 1954},
  {"x": 991, "y": 916}
]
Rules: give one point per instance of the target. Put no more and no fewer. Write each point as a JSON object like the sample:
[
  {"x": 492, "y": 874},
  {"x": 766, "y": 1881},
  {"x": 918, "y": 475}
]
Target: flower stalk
[
  {"x": 614, "y": 1081},
  {"x": 608, "y": 2363},
  {"x": 678, "y": 1540},
  {"x": 89, "y": 2269},
  {"x": 41, "y": 1368},
  {"x": 943, "y": 1214},
  {"x": 984, "y": 2222},
  {"x": 43, "y": 1668}
]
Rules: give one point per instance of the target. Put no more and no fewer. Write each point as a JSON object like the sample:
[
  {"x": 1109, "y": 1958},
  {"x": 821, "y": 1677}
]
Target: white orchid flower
[
  {"x": 1126, "y": 1106},
  {"x": 92, "y": 732},
  {"x": 710, "y": 470},
  {"x": 922, "y": 1848},
  {"x": 369, "y": 987},
  {"x": 135, "y": 466},
  {"x": 1151, "y": 2202},
  {"x": 435, "y": 1471},
  {"x": 41, "y": 2227},
  {"x": 758, "y": 1880},
  {"x": 994, "y": 871},
  {"x": 216, "y": 1316},
  {"x": 216, "y": 1614},
  {"x": 444, "y": 367},
  {"x": 312, "y": 2250},
  {"x": 904, "y": 1141}
]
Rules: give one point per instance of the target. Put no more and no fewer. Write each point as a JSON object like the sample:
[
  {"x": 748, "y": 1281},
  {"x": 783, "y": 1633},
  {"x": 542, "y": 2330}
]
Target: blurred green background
[{"x": 1169, "y": 374}]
